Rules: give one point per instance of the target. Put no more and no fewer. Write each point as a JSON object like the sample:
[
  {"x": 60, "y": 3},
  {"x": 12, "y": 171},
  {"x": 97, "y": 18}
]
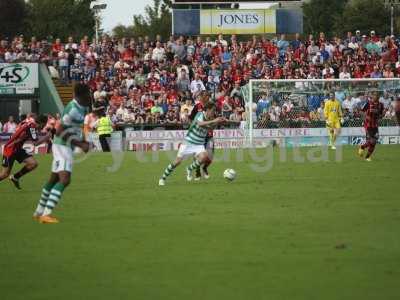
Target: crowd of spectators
[
  {"x": 9, "y": 127},
  {"x": 144, "y": 81},
  {"x": 279, "y": 110}
]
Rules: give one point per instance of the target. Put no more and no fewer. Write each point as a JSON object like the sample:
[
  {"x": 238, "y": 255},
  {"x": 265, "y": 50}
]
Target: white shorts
[
  {"x": 62, "y": 159},
  {"x": 186, "y": 150}
]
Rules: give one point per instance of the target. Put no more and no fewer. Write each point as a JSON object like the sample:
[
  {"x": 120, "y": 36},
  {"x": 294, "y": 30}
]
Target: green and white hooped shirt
[
  {"x": 197, "y": 135},
  {"x": 72, "y": 120}
]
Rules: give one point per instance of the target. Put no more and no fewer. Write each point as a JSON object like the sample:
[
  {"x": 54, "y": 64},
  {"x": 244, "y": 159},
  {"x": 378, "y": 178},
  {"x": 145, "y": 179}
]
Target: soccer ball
[{"x": 230, "y": 174}]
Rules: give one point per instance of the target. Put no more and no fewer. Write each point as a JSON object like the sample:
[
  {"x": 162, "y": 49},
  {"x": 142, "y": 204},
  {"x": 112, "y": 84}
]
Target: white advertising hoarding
[
  {"x": 19, "y": 78},
  {"x": 166, "y": 140},
  {"x": 239, "y": 21}
]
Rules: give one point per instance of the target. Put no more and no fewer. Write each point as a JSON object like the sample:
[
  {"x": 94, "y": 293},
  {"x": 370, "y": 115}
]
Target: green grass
[{"x": 328, "y": 230}]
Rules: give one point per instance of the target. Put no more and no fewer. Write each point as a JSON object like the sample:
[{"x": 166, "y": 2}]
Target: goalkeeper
[{"x": 334, "y": 119}]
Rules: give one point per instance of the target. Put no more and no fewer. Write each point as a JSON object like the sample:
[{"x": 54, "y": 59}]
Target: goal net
[{"x": 298, "y": 103}]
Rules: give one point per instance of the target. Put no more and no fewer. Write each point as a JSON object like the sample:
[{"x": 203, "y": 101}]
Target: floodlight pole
[
  {"x": 96, "y": 9},
  {"x": 392, "y": 4},
  {"x": 392, "y": 19},
  {"x": 97, "y": 29}
]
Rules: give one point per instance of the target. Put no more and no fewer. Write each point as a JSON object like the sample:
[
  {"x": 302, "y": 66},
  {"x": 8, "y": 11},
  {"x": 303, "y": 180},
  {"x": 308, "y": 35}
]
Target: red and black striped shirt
[
  {"x": 373, "y": 112},
  {"x": 26, "y": 130}
]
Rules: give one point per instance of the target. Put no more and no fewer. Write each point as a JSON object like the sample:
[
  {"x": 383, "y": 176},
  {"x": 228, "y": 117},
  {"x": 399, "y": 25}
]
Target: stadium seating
[{"x": 136, "y": 76}]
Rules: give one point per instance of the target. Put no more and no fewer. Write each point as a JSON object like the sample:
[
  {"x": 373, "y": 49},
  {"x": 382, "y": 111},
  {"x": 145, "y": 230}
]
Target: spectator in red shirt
[
  {"x": 116, "y": 99},
  {"x": 56, "y": 47}
]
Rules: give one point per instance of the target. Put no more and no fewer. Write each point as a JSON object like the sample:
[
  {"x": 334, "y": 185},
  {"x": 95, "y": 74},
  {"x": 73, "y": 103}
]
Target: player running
[
  {"x": 194, "y": 142},
  {"x": 373, "y": 112},
  {"x": 14, "y": 151},
  {"x": 209, "y": 142},
  {"x": 68, "y": 135},
  {"x": 334, "y": 119}
]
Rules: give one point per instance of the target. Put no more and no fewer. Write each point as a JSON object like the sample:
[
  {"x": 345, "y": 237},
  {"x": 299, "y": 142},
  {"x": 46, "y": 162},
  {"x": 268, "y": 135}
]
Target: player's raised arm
[
  {"x": 43, "y": 139},
  {"x": 232, "y": 122},
  {"x": 41, "y": 121},
  {"x": 212, "y": 123}
]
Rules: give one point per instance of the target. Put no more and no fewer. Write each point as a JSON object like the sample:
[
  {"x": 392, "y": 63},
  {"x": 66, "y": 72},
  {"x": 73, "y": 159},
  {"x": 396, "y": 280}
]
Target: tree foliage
[
  {"x": 322, "y": 15},
  {"x": 365, "y": 15},
  {"x": 339, "y": 16},
  {"x": 121, "y": 31},
  {"x": 60, "y": 18},
  {"x": 12, "y": 16},
  {"x": 157, "y": 19}
]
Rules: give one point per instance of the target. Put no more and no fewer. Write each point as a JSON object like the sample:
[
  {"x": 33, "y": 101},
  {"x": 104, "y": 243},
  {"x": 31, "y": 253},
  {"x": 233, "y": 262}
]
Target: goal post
[{"x": 298, "y": 103}]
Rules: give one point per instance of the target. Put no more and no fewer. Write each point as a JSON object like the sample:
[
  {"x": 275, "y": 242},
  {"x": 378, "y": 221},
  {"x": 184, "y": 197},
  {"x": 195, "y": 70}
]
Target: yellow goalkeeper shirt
[{"x": 333, "y": 110}]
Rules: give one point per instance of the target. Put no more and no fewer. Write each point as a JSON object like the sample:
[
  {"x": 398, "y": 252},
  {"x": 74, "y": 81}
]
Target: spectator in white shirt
[
  {"x": 99, "y": 93},
  {"x": 183, "y": 82},
  {"x": 10, "y": 127},
  {"x": 236, "y": 115},
  {"x": 71, "y": 45},
  {"x": 63, "y": 65},
  {"x": 390, "y": 113},
  {"x": 184, "y": 116},
  {"x": 320, "y": 111},
  {"x": 130, "y": 81},
  {"x": 313, "y": 74},
  {"x": 122, "y": 113},
  {"x": 345, "y": 74},
  {"x": 181, "y": 68},
  {"x": 121, "y": 64},
  {"x": 190, "y": 48},
  {"x": 327, "y": 72},
  {"x": 329, "y": 48},
  {"x": 221, "y": 40},
  {"x": 274, "y": 112},
  {"x": 353, "y": 44},
  {"x": 10, "y": 56},
  {"x": 312, "y": 49},
  {"x": 91, "y": 54},
  {"x": 347, "y": 104},
  {"x": 385, "y": 99},
  {"x": 357, "y": 100},
  {"x": 288, "y": 105},
  {"x": 197, "y": 85},
  {"x": 318, "y": 59},
  {"x": 1, "y": 127},
  {"x": 158, "y": 52}
]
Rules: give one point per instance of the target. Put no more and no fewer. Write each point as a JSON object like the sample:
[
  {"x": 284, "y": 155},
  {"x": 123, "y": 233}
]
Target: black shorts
[
  {"x": 372, "y": 133},
  {"x": 19, "y": 156},
  {"x": 209, "y": 145}
]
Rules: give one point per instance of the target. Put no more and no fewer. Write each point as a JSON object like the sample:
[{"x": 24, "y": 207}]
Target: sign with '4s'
[{"x": 21, "y": 77}]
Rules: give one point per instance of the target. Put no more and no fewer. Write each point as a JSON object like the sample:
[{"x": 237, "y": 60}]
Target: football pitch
[{"x": 311, "y": 230}]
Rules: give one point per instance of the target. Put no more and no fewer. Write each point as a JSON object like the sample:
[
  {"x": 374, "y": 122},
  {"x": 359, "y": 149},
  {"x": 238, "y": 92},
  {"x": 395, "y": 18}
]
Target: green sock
[
  {"x": 333, "y": 139},
  {"x": 43, "y": 199},
  {"x": 193, "y": 166},
  {"x": 330, "y": 138},
  {"x": 168, "y": 171},
  {"x": 54, "y": 198}
]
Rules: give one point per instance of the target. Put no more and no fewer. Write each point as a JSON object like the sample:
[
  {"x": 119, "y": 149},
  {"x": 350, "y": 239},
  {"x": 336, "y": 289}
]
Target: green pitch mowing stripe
[{"x": 325, "y": 230}]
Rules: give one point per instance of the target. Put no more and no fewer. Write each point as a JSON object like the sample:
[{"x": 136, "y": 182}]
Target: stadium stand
[{"x": 152, "y": 83}]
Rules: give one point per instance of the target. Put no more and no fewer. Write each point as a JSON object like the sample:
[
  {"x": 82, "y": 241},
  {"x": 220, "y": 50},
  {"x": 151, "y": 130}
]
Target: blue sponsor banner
[
  {"x": 4, "y": 137},
  {"x": 289, "y": 21},
  {"x": 240, "y": 21},
  {"x": 313, "y": 141},
  {"x": 359, "y": 140},
  {"x": 186, "y": 22}
]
